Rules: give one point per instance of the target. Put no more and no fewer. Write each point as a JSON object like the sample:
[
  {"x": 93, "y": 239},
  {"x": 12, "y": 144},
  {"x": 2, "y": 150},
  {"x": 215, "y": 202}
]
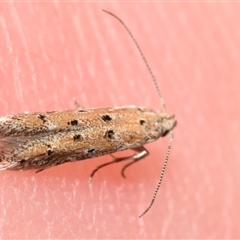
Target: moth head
[{"x": 168, "y": 123}]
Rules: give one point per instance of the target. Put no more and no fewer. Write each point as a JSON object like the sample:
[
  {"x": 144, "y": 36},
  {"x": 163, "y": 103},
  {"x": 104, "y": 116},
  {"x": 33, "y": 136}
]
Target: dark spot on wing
[
  {"x": 16, "y": 118},
  {"x": 73, "y": 122},
  {"x": 42, "y": 118},
  {"x": 141, "y": 109},
  {"x": 146, "y": 139},
  {"x": 51, "y": 112},
  {"x": 50, "y": 152},
  {"x": 22, "y": 161},
  {"x": 106, "y": 118},
  {"x": 91, "y": 150},
  {"x": 77, "y": 137},
  {"x": 109, "y": 134}
]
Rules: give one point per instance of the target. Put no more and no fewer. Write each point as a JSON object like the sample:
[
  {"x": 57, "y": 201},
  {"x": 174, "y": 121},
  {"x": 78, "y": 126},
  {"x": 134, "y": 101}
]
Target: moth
[{"x": 37, "y": 141}]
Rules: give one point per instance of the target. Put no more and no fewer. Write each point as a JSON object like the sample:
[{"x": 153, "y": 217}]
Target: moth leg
[
  {"x": 116, "y": 160},
  {"x": 141, "y": 153},
  {"x": 77, "y": 105}
]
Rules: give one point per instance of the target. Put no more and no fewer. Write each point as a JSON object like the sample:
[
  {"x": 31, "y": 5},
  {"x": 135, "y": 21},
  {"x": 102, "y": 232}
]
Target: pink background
[{"x": 52, "y": 53}]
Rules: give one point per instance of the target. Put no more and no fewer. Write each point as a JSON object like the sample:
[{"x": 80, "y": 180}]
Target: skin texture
[{"x": 53, "y": 53}]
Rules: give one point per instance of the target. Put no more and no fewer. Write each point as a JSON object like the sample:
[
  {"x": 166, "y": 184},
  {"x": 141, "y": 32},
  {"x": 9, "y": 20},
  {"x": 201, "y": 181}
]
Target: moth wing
[{"x": 8, "y": 146}]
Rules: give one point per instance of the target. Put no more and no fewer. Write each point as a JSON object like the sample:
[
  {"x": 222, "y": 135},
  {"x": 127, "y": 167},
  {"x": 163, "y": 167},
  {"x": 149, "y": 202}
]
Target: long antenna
[
  {"x": 161, "y": 176},
  {"x": 163, "y": 106}
]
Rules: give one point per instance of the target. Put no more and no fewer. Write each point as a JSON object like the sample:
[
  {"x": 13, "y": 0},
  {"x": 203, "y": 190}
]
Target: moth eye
[{"x": 165, "y": 132}]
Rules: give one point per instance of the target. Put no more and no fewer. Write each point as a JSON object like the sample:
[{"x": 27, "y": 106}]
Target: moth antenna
[
  {"x": 163, "y": 106},
  {"x": 161, "y": 176}
]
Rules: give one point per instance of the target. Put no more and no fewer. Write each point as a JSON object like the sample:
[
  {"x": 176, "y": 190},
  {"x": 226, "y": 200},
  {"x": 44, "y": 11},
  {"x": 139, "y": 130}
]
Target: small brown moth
[{"x": 39, "y": 141}]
